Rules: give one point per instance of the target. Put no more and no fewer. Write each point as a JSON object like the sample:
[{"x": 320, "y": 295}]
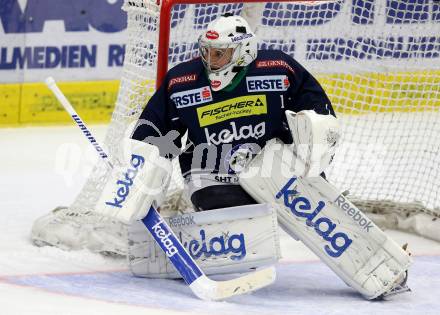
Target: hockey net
[{"x": 379, "y": 62}]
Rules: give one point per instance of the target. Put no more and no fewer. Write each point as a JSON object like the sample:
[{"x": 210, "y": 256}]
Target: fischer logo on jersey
[
  {"x": 192, "y": 97},
  {"x": 137, "y": 162},
  {"x": 182, "y": 79},
  {"x": 301, "y": 207},
  {"x": 233, "y": 108},
  {"x": 244, "y": 132},
  {"x": 267, "y": 83}
]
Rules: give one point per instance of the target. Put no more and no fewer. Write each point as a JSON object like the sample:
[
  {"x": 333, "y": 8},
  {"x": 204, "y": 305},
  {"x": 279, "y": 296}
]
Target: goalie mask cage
[{"x": 379, "y": 62}]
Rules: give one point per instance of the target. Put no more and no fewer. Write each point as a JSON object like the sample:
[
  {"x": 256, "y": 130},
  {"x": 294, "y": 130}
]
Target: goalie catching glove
[{"x": 139, "y": 181}]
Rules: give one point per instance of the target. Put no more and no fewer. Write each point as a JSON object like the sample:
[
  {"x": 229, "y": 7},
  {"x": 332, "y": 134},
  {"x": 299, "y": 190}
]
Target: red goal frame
[{"x": 165, "y": 26}]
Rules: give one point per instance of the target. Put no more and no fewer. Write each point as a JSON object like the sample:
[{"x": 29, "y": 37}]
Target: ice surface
[{"x": 41, "y": 168}]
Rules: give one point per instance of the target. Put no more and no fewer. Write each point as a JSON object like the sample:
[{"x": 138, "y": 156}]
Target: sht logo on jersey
[
  {"x": 301, "y": 207},
  {"x": 267, "y": 83},
  {"x": 192, "y": 97}
]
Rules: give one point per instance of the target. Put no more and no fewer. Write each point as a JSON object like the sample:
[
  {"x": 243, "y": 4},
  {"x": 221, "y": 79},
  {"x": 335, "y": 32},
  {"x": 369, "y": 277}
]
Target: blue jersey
[{"x": 233, "y": 121}]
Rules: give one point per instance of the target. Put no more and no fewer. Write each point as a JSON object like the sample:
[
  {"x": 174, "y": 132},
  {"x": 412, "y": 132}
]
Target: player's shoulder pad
[{"x": 185, "y": 74}]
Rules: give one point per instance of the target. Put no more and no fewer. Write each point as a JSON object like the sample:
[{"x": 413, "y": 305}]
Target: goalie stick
[
  {"x": 51, "y": 84},
  {"x": 199, "y": 283}
]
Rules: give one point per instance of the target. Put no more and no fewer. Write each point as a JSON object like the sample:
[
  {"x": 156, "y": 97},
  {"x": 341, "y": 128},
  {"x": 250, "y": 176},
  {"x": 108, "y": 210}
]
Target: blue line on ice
[{"x": 301, "y": 288}]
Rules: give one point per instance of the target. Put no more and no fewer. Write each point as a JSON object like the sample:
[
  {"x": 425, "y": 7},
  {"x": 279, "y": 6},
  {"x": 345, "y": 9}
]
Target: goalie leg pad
[
  {"x": 221, "y": 241},
  {"x": 312, "y": 209}
]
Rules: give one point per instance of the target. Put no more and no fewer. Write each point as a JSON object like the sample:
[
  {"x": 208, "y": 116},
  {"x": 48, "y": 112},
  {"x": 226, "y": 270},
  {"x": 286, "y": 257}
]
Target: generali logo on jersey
[
  {"x": 274, "y": 64},
  {"x": 192, "y": 97},
  {"x": 211, "y": 35},
  {"x": 183, "y": 79},
  {"x": 267, "y": 83}
]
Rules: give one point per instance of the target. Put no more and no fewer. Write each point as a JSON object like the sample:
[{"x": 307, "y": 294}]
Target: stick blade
[{"x": 210, "y": 290}]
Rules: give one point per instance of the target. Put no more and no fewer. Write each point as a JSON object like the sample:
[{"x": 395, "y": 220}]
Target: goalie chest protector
[{"x": 251, "y": 112}]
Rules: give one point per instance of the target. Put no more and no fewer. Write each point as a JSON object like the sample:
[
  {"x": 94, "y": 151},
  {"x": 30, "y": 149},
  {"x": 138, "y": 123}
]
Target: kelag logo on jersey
[
  {"x": 237, "y": 133},
  {"x": 232, "y": 108},
  {"x": 192, "y": 97},
  {"x": 301, "y": 207},
  {"x": 267, "y": 83}
]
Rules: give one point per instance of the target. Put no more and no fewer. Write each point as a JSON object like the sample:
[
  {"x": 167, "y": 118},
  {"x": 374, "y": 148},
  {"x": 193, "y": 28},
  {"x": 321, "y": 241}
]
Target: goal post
[
  {"x": 378, "y": 61},
  {"x": 166, "y": 7}
]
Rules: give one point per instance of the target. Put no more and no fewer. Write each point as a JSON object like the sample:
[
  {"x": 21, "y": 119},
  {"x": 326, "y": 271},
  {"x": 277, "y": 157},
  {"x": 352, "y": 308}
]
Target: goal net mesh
[{"x": 379, "y": 62}]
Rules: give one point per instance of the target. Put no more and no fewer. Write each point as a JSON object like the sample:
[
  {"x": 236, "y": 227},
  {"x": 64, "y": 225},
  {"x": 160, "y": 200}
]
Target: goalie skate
[{"x": 401, "y": 284}]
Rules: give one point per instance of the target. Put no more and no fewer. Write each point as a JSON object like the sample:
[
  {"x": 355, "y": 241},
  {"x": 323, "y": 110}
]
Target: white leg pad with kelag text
[
  {"x": 221, "y": 241},
  {"x": 314, "y": 211}
]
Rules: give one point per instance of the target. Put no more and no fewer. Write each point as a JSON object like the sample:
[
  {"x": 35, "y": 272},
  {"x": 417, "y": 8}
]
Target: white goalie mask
[{"x": 227, "y": 45}]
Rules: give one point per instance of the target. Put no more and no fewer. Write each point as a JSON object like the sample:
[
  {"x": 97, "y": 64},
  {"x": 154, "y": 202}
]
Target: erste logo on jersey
[
  {"x": 192, "y": 97},
  {"x": 233, "y": 108},
  {"x": 267, "y": 83}
]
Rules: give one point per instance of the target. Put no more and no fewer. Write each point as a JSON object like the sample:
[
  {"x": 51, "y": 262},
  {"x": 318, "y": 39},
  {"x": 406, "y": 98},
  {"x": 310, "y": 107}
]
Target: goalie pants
[{"x": 220, "y": 196}]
